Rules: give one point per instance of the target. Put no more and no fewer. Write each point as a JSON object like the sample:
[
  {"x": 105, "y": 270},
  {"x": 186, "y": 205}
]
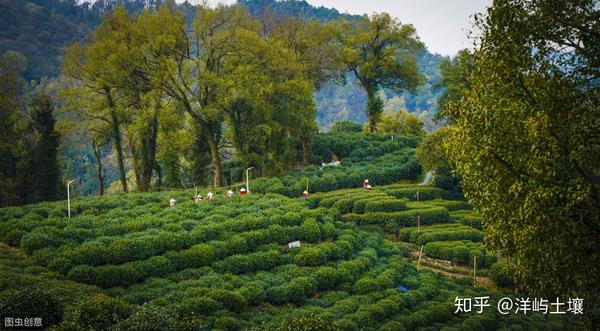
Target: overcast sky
[{"x": 441, "y": 24}]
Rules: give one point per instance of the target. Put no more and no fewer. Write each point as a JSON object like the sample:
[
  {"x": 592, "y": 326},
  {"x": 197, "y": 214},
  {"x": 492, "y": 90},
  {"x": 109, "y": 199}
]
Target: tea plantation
[{"x": 132, "y": 262}]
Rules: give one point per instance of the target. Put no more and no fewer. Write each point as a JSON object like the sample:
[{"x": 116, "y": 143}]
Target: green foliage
[
  {"x": 459, "y": 251},
  {"x": 308, "y": 322},
  {"x": 147, "y": 318},
  {"x": 98, "y": 312},
  {"x": 441, "y": 232},
  {"x": 380, "y": 52},
  {"x": 31, "y": 302},
  {"x": 384, "y": 206},
  {"x": 393, "y": 220},
  {"x": 502, "y": 274},
  {"x": 346, "y": 126},
  {"x": 400, "y": 123},
  {"x": 523, "y": 142},
  {"x": 198, "y": 256},
  {"x": 224, "y": 263},
  {"x": 423, "y": 193},
  {"x": 432, "y": 154},
  {"x": 399, "y": 163}
]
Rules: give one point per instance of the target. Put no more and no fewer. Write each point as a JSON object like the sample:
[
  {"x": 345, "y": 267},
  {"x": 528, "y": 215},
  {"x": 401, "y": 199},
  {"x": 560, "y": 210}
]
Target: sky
[{"x": 441, "y": 24}]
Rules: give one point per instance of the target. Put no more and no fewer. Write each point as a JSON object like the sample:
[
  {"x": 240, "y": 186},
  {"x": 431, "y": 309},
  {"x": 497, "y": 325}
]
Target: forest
[{"x": 272, "y": 165}]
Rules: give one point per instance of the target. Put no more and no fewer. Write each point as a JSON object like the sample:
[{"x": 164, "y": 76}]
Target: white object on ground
[{"x": 294, "y": 244}]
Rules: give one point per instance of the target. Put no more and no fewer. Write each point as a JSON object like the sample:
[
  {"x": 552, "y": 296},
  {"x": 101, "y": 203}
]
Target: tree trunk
[
  {"x": 136, "y": 164},
  {"x": 158, "y": 175},
  {"x": 306, "y": 148},
  {"x": 214, "y": 155},
  {"x": 116, "y": 133},
  {"x": 147, "y": 157},
  {"x": 96, "y": 150},
  {"x": 374, "y": 108}
]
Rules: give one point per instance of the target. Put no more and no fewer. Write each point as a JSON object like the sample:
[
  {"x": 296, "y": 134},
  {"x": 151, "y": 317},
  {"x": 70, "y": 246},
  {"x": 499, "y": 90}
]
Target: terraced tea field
[{"x": 133, "y": 262}]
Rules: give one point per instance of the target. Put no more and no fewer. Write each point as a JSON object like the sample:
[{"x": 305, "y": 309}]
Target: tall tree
[
  {"x": 402, "y": 123},
  {"x": 381, "y": 53},
  {"x": 94, "y": 67},
  {"x": 188, "y": 70},
  {"x": 12, "y": 126},
  {"x": 455, "y": 79},
  {"x": 43, "y": 168},
  {"x": 311, "y": 44},
  {"x": 526, "y": 142}
]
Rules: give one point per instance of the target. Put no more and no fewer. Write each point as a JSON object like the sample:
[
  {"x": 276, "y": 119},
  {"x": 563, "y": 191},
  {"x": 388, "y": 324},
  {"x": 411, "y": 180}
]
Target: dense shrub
[
  {"x": 147, "y": 318},
  {"x": 98, "y": 312},
  {"x": 198, "y": 256},
  {"x": 385, "y": 169},
  {"x": 308, "y": 322},
  {"x": 425, "y": 193},
  {"x": 13, "y": 238},
  {"x": 384, "y": 206},
  {"x": 346, "y": 126},
  {"x": 460, "y": 251},
  {"x": 41, "y": 237},
  {"x": 31, "y": 302},
  {"x": 502, "y": 274},
  {"x": 327, "y": 278},
  {"x": 445, "y": 232},
  {"x": 393, "y": 220}
]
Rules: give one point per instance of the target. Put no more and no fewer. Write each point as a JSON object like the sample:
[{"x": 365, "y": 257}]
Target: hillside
[{"x": 133, "y": 262}]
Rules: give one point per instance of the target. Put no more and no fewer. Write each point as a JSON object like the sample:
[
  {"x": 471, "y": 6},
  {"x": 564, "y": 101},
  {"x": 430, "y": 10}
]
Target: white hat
[
  {"x": 172, "y": 201},
  {"x": 243, "y": 189}
]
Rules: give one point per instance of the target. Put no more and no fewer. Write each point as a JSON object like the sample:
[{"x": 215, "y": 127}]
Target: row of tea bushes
[
  {"x": 357, "y": 146},
  {"x": 386, "y": 169},
  {"x": 392, "y": 221},
  {"x": 460, "y": 252},
  {"x": 205, "y": 254},
  {"x": 421, "y": 193},
  {"x": 467, "y": 217},
  {"x": 451, "y": 205},
  {"x": 442, "y": 232}
]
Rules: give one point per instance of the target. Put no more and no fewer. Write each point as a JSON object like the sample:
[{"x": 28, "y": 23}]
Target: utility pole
[
  {"x": 247, "y": 179},
  {"x": 69, "y": 197}
]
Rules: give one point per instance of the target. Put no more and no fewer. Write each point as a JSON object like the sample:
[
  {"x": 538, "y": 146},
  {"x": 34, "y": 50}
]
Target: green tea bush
[
  {"x": 446, "y": 232},
  {"x": 41, "y": 237},
  {"x": 425, "y": 193},
  {"x": 198, "y": 256},
  {"x": 31, "y": 302},
  {"x": 460, "y": 251},
  {"x": 384, "y": 206},
  {"x": 327, "y": 278},
  {"x": 147, "y": 318},
  {"x": 98, "y": 312},
  {"x": 392, "y": 220},
  {"x": 385, "y": 169}
]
